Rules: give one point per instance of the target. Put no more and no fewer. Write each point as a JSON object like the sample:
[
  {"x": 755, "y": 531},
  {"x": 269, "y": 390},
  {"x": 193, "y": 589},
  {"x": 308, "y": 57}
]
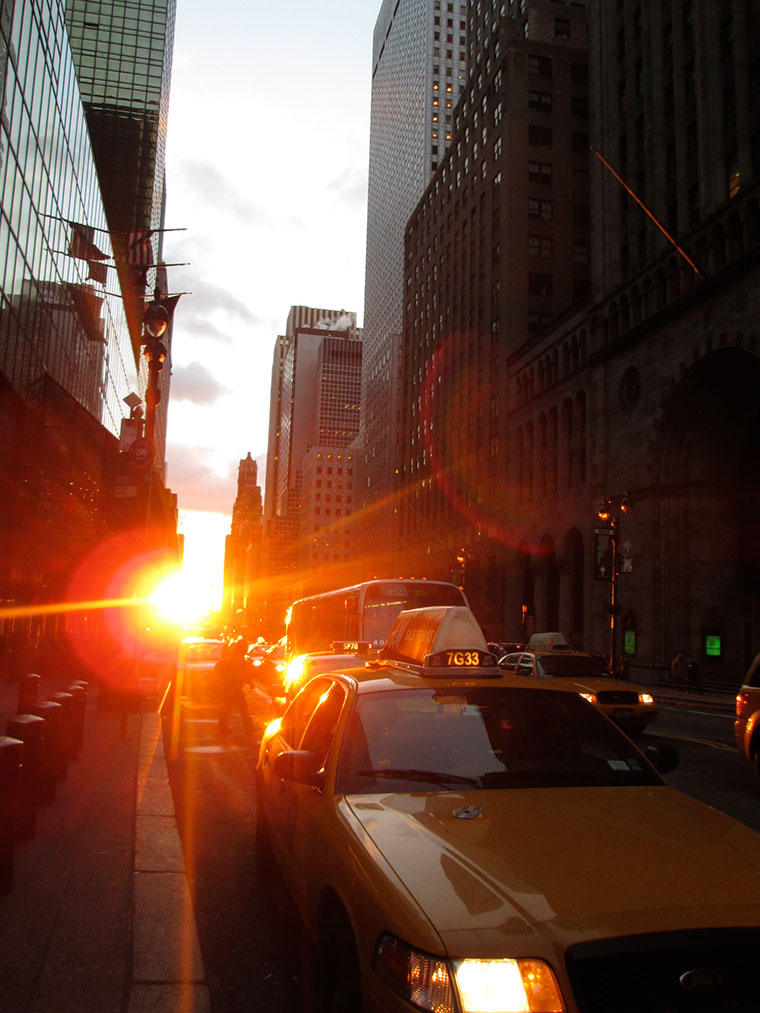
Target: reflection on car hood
[{"x": 572, "y": 857}]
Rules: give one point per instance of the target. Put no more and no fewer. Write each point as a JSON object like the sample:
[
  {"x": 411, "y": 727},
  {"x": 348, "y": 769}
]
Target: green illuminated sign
[
  {"x": 629, "y": 641},
  {"x": 712, "y": 645}
]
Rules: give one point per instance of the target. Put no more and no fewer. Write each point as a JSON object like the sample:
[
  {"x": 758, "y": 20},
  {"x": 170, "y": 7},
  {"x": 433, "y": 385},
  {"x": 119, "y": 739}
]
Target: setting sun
[{"x": 182, "y": 601}]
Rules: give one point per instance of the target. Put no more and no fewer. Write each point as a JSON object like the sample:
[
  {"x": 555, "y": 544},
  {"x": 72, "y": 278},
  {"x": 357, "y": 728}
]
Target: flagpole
[{"x": 646, "y": 210}]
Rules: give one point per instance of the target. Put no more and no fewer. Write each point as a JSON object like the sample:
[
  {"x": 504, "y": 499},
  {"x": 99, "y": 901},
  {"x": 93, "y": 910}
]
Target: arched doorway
[{"x": 707, "y": 509}]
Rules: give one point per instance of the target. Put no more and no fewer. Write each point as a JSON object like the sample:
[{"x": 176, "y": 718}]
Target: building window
[
  {"x": 561, "y": 28},
  {"x": 540, "y": 209},
  {"x": 541, "y": 100},
  {"x": 540, "y": 172},
  {"x": 541, "y": 66},
  {"x": 540, "y": 246}
]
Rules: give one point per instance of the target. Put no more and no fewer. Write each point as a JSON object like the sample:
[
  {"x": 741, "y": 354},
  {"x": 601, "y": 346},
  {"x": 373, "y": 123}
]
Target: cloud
[
  {"x": 207, "y": 187},
  {"x": 209, "y": 299},
  {"x": 195, "y": 383},
  {"x": 202, "y": 328},
  {"x": 350, "y": 188},
  {"x": 216, "y": 191},
  {"x": 192, "y": 474}
]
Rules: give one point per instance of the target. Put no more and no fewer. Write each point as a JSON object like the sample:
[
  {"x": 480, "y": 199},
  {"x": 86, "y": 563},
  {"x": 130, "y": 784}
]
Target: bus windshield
[
  {"x": 362, "y": 613},
  {"x": 384, "y": 600}
]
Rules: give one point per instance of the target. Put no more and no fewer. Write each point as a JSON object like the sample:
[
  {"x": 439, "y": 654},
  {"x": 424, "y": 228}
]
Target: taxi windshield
[
  {"x": 454, "y": 738},
  {"x": 574, "y": 666}
]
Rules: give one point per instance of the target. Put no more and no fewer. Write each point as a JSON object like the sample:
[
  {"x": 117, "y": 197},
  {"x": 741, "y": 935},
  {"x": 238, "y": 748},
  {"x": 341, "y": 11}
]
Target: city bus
[{"x": 362, "y": 614}]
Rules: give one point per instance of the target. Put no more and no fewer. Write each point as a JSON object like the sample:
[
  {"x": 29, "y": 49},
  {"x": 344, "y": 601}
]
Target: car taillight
[{"x": 741, "y": 703}]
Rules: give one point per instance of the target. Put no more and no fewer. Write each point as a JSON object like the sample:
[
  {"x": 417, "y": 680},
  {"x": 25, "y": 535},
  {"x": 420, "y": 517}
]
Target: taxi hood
[{"x": 507, "y": 861}]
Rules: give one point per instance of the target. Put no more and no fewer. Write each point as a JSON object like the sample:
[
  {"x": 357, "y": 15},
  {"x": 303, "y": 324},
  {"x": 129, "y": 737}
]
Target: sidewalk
[
  {"x": 99, "y": 916},
  {"x": 722, "y": 701}
]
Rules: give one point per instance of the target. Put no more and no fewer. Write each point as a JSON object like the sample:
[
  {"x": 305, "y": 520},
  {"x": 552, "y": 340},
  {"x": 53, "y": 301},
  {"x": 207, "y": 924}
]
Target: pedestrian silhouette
[
  {"x": 678, "y": 671},
  {"x": 233, "y": 671}
]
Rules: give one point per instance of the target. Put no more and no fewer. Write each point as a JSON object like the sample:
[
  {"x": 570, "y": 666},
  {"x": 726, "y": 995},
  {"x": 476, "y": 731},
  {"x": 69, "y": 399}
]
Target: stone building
[{"x": 647, "y": 389}]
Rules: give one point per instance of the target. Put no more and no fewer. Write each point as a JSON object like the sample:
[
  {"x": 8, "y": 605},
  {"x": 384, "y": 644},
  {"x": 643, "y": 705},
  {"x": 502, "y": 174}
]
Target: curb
[
  {"x": 167, "y": 967},
  {"x": 698, "y": 702}
]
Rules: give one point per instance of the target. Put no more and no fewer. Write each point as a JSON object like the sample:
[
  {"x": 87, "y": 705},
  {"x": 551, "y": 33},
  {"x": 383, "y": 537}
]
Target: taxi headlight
[
  {"x": 646, "y": 698},
  {"x": 507, "y": 986},
  {"x": 591, "y": 697},
  {"x": 483, "y": 986},
  {"x": 293, "y": 672}
]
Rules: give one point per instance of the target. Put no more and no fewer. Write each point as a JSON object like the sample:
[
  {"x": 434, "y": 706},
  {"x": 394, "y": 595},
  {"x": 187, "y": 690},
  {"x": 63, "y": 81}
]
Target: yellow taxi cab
[
  {"x": 196, "y": 660},
  {"x": 747, "y": 723},
  {"x": 457, "y": 839},
  {"x": 630, "y": 706}
]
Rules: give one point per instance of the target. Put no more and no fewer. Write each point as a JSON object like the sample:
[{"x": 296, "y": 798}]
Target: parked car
[
  {"x": 457, "y": 838},
  {"x": 630, "y": 706},
  {"x": 747, "y": 723}
]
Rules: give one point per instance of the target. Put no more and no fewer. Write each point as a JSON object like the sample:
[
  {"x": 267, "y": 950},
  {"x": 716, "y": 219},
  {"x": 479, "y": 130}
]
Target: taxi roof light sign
[
  {"x": 547, "y": 642},
  {"x": 440, "y": 637}
]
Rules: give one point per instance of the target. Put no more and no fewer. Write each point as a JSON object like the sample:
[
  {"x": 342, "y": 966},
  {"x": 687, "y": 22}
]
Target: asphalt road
[
  {"x": 711, "y": 769},
  {"x": 253, "y": 947}
]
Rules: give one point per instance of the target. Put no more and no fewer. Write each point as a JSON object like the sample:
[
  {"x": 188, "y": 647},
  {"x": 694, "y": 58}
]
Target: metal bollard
[
  {"x": 68, "y": 744},
  {"x": 79, "y": 705},
  {"x": 30, "y": 730},
  {"x": 51, "y": 765},
  {"x": 28, "y": 692},
  {"x": 10, "y": 780}
]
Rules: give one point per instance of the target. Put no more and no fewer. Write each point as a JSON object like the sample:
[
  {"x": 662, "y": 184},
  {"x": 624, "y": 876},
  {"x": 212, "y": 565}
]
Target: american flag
[
  {"x": 82, "y": 243},
  {"x": 138, "y": 248}
]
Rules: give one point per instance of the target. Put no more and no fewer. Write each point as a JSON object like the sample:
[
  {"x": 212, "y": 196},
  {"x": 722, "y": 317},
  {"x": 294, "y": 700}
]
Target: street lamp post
[
  {"x": 156, "y": 321},
  {"x": 610, "y": 511}
]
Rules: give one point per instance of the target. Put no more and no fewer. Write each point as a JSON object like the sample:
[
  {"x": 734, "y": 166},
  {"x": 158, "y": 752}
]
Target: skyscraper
[
  {"x": 314, "y": 419},
  {"x": 418, "y": 70},
  {"x": 122, "y": 52},
  {"x": 496, "y": 249},
  {"x": 66, "y": 360},
  {"x": 242, "y": 549}
]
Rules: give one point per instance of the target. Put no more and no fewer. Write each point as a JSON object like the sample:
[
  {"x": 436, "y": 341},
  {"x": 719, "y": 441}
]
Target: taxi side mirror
[
  {"x": 663, "y": 758},
  {"x": 300, "y": 766}
]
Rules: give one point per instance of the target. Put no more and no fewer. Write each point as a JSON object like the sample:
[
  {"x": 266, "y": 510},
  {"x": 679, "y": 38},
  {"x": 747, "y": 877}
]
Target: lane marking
[{"x": 698, "y": 741}]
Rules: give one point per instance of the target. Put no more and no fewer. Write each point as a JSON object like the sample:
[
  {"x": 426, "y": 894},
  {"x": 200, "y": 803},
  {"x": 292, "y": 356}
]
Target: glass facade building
[
  {"x": 56, "y": 323},
  {"x": 418, "y": 72},
  {"x": 122, "y": 51},
  {"x": 67, "y": 360}
]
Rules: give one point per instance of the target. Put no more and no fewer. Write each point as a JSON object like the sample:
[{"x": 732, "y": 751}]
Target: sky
[{"x": 267, "y": 151}]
